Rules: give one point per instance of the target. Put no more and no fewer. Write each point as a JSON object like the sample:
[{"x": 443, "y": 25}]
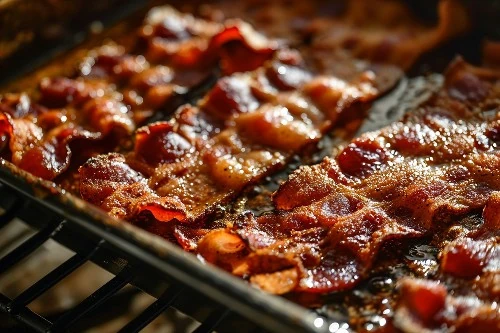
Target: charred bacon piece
[{"x": 405, "y": 181}]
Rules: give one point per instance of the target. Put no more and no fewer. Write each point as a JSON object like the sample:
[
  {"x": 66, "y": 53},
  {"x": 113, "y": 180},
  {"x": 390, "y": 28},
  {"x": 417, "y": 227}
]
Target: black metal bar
[
  {"x": 26, "y": 316},
  {"x": 49, "y": 280},
  {"x": 93, "y": 301},
  {"x": 213, "y": 320},
  {"x": 28, "y": 247},
  {"x": 11, "y": 212},
  {"x": 153, "y": 311}
]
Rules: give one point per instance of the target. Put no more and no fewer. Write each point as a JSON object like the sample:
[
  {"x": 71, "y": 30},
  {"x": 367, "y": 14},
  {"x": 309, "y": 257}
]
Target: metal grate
[{"x": 57, "y": 228}]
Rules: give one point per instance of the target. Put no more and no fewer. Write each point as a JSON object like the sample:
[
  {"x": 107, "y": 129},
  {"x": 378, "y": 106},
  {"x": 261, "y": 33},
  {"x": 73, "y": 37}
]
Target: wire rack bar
[
  {"x": 213, "y": 320},
  {"x": 25, "y": 316},
  {"x": 11, "y": 212},
  {"x": 93, "y": 301},
  {"x": 49, "y": 280},
  {"x": 153, "y": 311},
  {"x": 28, "y": 247}
]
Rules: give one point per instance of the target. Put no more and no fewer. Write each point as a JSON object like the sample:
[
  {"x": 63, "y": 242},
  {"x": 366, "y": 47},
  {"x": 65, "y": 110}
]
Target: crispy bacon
[
  {"x": 41, "y": 133},
  {"x": 468, "y": 258},
  {"x": 414, "y": 178},
  {"x": 474, "y": 255},
  {"x": 39, "y": 145},
  {"x": 401, "y": 182},
  {"x": 239, "y": 41},
  {"x": 181, "y": 40},
  {"x": 246, "y": 126},
  {"x": 182, "y": 52}
]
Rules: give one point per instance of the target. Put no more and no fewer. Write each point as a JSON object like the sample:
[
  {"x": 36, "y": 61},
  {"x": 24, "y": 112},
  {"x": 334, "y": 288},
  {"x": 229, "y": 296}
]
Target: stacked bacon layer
[
  {"x": 404, "y": 181},
  {"x": 115, "y": 91}
]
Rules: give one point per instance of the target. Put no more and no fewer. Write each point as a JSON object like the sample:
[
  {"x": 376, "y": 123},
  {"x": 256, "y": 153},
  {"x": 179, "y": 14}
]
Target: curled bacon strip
[
  {"x": 239, "y": 41},
  {"x": 51, "y": 156},
  {"x": 43, "y": 151},
  {"x": 110, "y": 183},
  {"x": 40, "y": 140},
  {"x": 446, "y": 165}
]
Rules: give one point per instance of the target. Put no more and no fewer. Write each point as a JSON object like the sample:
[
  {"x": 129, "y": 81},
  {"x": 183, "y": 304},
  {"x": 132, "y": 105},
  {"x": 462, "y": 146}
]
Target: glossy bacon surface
[
  {"x": 40, "y": 140},
  {"x": 427, "y": 305},
  {"x": 407, "y": 180}
]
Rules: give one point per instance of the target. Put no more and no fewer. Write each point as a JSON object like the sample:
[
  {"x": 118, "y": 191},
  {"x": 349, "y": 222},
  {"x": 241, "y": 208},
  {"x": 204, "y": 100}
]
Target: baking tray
[{"x": 165, "y": 262}]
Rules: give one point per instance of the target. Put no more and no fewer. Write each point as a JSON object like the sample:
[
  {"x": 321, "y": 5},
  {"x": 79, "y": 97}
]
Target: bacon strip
[
  {"x": 124, "y": 191},
  {"x": 248, "y": 125},
  {"x": 385, "y": 31},
  {"x": 184, "y": 41},
  {"x": 42, "y": 147},
  {"x": 440, "y": 162}
]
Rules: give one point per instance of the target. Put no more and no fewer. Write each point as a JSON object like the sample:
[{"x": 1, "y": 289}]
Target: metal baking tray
[{"x": 155, "y": 262}]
